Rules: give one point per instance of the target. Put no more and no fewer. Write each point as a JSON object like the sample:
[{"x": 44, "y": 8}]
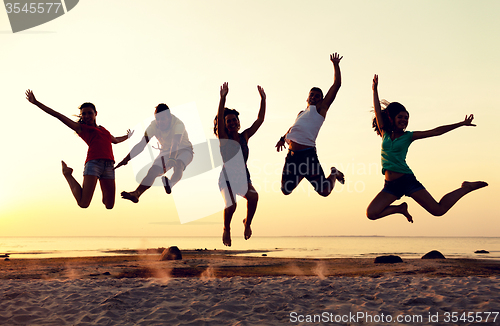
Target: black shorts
[
  {"x": 403, "y": 186},
  {"x": 303, "y": 164}
]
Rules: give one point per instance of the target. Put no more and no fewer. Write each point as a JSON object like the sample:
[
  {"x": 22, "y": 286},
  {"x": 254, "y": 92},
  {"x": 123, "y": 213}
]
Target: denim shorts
[
  {"x": 103, "y": 169},
  {"x": 403, "y": 186}
]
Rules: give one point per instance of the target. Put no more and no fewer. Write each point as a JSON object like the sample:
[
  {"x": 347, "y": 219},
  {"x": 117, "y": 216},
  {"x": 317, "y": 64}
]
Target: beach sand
[{"x": 218, "y": 288}]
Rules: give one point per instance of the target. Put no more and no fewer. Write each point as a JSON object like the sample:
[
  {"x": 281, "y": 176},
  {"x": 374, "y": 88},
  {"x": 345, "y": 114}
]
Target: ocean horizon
[{"x": 284, "y": 247}]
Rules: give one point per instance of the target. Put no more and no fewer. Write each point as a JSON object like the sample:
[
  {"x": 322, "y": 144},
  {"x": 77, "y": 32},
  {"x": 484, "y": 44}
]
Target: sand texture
[{"x": 213, "y": 288}]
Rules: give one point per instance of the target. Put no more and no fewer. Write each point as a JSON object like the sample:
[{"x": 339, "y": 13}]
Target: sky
[{"x": 438, "y": 58}]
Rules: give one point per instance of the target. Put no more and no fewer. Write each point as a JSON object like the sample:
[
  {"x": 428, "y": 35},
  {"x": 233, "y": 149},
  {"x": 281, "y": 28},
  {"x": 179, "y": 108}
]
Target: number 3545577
[
  {"x": 33, "y": 8},
  {"x": 471, "y": 317}
]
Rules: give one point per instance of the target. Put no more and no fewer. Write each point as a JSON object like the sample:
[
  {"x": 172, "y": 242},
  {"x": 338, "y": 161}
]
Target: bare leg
[
  {"x": 228, "y": 216},
  {"x": 252, "y": 198},
  {"x": 230, "y": 208},
  {"x": 108, "y": 189},
  {"x": 153, "y": 172},
  {"x": 83, "y": 195},
  {"x": 425, "y": 199},
  {"x": 178, "y": 171},
  {"x": 133, "y": 196},
  {"x": 381, "y": 207}
]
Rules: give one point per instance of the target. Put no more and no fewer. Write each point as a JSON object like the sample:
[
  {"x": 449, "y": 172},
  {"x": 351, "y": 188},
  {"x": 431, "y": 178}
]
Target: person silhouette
[
  {"x": 302, "y": 159},
  {"x": 99, "y": 162},
  {"x": 176, "y": 152},
  {"x": 235, "y": 177},
  {"x": 390, "y": 123}
]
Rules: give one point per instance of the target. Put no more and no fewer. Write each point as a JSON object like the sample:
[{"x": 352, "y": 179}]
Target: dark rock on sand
[
  {"x": 481, "y": 252},
  {"x": 389, "y": 259},
  {"x": 171, "y": 253},
  {"x": 434, "y": 254}
]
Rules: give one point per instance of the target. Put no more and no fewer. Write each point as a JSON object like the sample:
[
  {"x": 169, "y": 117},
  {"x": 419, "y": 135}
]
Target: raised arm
[
  {"x": 337, "y": 81},
  {"x": 67, "y": 121},
  {"x": 260, "y": 117},
  {"x": 376, "y": 106},
  {"x": 443, "y": 129},
  {"x": 221, "y": 132}
]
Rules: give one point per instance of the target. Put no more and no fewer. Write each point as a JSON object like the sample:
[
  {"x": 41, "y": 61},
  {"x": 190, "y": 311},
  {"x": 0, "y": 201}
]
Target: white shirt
[
  {"x": 306, "y": 127},
  {"x": 166, "y": 136}
]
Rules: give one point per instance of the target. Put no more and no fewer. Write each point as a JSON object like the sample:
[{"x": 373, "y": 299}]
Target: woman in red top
[{"x": 100, "y": 161}]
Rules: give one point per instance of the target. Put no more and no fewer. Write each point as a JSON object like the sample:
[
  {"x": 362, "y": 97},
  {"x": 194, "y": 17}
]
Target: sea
[{"x": 290, "y": 247}]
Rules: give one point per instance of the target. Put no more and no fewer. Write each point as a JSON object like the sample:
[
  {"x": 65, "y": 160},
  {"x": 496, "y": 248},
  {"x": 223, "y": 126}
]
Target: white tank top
[{"x": 306, "y": 127}]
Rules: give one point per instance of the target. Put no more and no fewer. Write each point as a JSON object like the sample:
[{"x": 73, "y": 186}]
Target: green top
[{"x": 394, "y": 152}]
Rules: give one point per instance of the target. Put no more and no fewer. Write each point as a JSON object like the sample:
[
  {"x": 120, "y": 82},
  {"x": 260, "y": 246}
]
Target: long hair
[
  {"x": 83, "y": 106},
  {"x": 226, "y": 112},
  {"x": 389, "y": 112}
]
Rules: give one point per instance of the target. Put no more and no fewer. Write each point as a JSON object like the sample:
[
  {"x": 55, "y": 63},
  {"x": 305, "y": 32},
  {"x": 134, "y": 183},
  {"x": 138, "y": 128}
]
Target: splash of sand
[
  {"x": 208, "y": 274},
  {"x": 320, "y": 270}
]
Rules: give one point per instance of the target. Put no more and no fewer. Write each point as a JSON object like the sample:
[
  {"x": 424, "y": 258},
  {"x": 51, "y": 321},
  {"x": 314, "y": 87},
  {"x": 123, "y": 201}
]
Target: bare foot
[
  {"x": 471, "y": 186},
  {"x": 226, "y": 237},
  {"x": 66, "y": 170},
  {"x": 248, "y": 230},
  {"x": 404, "y": 211},
  {"x": 339, "y": 176},
  {"x": 130, "y": 196}
]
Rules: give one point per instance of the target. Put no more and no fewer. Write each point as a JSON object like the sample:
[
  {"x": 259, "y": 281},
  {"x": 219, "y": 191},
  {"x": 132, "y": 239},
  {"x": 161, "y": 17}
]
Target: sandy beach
[{"x": 219, "y": 288}]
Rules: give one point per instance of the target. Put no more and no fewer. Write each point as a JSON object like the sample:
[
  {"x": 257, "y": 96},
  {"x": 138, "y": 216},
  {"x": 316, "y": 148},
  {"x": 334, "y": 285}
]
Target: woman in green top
[{"x": 390, "y": 123}]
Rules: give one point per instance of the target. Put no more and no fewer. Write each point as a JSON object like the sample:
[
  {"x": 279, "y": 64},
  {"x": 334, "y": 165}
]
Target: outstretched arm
[
  {"x": 260, "y": 117},
  {"x": 376, "y": 106},
  {"x": 443, "y": 129},
  {"x": 136, "y": 150},
  {"x": 337, "y": 81},
  {"x": 67, "y": 121},
  {"x": 117, "y": 140},
  {"x": 221, "y": 133},
  {"x": 280, "y": 145}
]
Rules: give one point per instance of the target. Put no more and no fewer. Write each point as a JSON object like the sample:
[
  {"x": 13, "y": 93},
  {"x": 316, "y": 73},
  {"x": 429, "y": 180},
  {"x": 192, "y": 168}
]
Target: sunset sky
[{"x": 438, "y": 58}]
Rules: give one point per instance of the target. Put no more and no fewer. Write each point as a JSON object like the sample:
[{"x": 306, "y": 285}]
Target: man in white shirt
[
  {"x": 176, "y": 152},
  {"x": 302, "y": 159}
]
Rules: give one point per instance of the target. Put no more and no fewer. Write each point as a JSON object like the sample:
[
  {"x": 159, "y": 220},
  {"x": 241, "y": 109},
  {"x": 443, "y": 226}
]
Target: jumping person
[
  {"x": 99, "y": 162},
  {"x": 226, "y": 128},
  {"x": 176, "y": 152},
  {"x": 390, "y": 123},
  {"x": 301, "y": 139}
]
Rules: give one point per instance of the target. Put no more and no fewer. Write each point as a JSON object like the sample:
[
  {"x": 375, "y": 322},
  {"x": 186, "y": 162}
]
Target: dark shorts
[
  {"x": 103, "y": 169},
  {"x": 403, "y": 186},
  {"x": 303, "y": 164}
]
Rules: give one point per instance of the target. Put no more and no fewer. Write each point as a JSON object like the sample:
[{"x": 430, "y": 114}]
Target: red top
[{"x": 99, "y": 141}]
